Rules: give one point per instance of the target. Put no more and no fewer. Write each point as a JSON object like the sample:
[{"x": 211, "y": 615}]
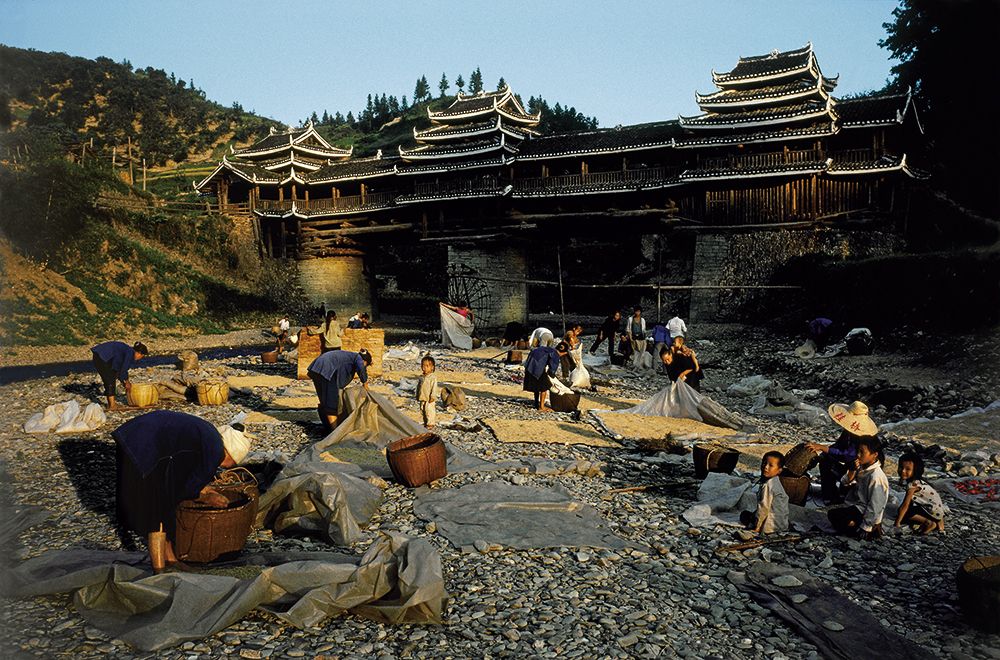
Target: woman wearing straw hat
[{"x": 836, "y": 459}]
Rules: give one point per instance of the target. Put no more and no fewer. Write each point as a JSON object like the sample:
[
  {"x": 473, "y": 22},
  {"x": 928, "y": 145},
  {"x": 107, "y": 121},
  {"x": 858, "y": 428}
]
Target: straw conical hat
[{"x": 854, "y": 418}]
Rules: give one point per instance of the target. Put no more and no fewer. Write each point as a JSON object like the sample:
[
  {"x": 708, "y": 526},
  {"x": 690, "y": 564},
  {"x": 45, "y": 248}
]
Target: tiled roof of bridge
[
  {"x": 798, "y": 89},
  {"x": 454, "y": 150},
  {"x": 605, "y": 140},
  {"x": 710, "y": 173},
  {"x": 449, "y": 166},
  {"x": 877, "y": 110},
  {"x": 760, "y": 116},
  {"x": 779, "y": 134},
  {"x": 356, "y": 168}
]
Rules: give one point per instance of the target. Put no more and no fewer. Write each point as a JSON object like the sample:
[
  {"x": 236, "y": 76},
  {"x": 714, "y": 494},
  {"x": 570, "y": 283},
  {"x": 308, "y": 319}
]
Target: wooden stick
[
  {"x": 627, "y": 489},
  {"x": 756, "y": 543}
]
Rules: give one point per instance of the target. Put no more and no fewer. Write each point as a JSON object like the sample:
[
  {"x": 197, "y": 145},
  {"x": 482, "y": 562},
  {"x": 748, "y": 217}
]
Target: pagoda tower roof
[
  {"x": 306, "y": 141},
  {"x": 774, "y": 68},
  {"x": 502, "y": 102}
]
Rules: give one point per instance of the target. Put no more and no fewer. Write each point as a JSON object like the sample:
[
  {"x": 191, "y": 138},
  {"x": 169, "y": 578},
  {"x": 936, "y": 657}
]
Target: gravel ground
[{"x": 558, "y": 602}]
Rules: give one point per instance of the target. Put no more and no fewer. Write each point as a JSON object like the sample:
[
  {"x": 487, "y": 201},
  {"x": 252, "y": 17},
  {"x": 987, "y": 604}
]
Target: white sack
[
  {"x": 456, "y": 330},
  {"x": 579, "y": 377},
  {"x": 66, "y": 417}
]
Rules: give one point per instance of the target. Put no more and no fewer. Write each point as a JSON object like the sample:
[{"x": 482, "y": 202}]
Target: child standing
[
  {"x": 427, "y": 391},
  {"x": 868, "y": 493},
  {"x": 922, "y": 504},
  {"x": 772, "y": 500}
]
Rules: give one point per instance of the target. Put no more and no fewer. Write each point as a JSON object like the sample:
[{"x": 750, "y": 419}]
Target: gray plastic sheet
[
  {"x": 398, "y": 580},
  {"x": 860, "y": 635},
  {"x": 683, "y": 401},
  {"x": 514, "y": 516}
]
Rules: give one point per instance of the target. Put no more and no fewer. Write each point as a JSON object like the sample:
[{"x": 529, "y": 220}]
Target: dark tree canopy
[
  {"x": 476, "y": 81},
  {"x": 946, "y": 54},
  {"x": 443, "y": 85}
]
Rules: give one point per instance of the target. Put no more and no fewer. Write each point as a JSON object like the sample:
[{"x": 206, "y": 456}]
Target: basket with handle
[
  {"x": 212, "y": 392},
  {"x": 205, "y": 533},
  {"x": 417, "y": 460},
  {"x": 143, "y": 395},
  {"x": 713, "y": 458}
]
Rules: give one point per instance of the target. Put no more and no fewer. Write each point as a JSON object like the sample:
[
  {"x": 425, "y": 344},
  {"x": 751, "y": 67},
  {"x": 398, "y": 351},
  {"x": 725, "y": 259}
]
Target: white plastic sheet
[
  {"x": 456, "y": 330},
  {"x": 681, "y": 400},
  {"x": 66, "y": 417},
  {"x": 409, "y": 352},
  {"x": 579, "y": 377}
]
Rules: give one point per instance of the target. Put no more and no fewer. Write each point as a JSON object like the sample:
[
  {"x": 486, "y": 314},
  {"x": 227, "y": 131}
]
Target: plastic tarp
[
  {"x": 409, "y": 352},
  {"x": 857, "y": 633},
  {"x": 579, "y": 377},
  {"x": 514, "y": 516},
  {"x": 456, "y": 330},
  {"x": 397, "y": 580},
  {"x": 681, "y": 400},
  {"x": 721, "y": 498},
  {"x": 66, "y": 417}
]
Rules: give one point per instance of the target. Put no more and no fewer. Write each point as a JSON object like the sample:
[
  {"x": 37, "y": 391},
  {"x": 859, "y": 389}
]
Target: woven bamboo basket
[
  {"x": 714, "y": 458},
  {"x": 143, "y": 395},
  {"x": 417, "y": 460},
  {"x": 204, "y": 533},
  {"x": 212, "y": 392},
  {"x": 978, "y": 582},
  {"x": 800, "y": 459},
  {"x": 270, "y": 357},
  {"x": 796, "y": 487}
]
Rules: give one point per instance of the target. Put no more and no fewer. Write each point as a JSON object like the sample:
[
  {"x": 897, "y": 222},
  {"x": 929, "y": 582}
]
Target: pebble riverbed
[{"x": 673, "y": 600}]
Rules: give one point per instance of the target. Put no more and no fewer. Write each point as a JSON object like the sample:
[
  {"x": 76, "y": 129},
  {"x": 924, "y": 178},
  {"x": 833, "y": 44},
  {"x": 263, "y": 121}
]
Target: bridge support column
[
  {"x": 711, "y": 254},
  {"x": 490, "y": 278},
  {"x": 341, "y": 281}
]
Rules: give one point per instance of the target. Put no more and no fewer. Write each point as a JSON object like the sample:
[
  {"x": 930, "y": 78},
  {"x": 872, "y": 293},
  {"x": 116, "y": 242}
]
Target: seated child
[
  {"x": 922, "y": 504},
  {"x": 772, "y": 500},
  {"x": 867, "y": 494},
  {"x": 427, "y": 391}
]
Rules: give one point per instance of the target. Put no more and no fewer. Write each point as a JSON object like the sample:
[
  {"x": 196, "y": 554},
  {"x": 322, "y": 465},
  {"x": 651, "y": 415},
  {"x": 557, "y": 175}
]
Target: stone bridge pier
[{"x": 341, "y": 281}]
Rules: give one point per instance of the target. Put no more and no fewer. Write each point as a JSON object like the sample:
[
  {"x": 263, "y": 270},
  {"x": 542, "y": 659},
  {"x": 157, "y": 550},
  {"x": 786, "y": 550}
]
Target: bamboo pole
[
  {"x": 144, "y": 174},
  {"x": 562, "y": 302}
]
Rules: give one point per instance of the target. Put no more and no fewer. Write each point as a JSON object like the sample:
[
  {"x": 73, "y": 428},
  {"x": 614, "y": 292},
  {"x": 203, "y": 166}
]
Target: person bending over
[
  {"x": 113, "y": 359},
  {"x": 330, "y": 373},
  {"x": 539, "y": 369}
]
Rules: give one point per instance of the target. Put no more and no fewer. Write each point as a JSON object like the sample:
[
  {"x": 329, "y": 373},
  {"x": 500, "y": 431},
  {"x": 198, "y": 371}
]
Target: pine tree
[
  {"x": 350, "y": 118},
  {"x": 443, "y": 85},
  {"x": 460, "y": 83},
  {"x": 476, "y": 81},
  {"x": 422, "y": 90},
  {"x": 338, "y": 119},
  {"x": 404, "y": 104},
  {"x": 501, "y": 84},
  {"x": 325, "y": 120},
  {"x": 314, "y": 118}
]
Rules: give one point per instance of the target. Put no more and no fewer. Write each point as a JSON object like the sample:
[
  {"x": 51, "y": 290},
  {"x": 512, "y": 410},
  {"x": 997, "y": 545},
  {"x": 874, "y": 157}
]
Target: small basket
[
  {"x": 212, "y": 392},
  {"x": 714, "y": 458},
  {"x": 796, "y": 487},
  {"x": 270, "y": 357},
  {"x": 417, "y": 460},
  {"x": 204, "y": 534},
  {"x": 800, "y": 459},
  {"x": 143, "y": 395}
]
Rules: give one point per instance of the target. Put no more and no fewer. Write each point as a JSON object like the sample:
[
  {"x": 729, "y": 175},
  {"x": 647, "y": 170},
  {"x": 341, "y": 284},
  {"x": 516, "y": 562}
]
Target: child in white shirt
[
  {"x": 427, "y": 391},
  {"x": 772, "y": 500},
  {"x": 867, "y": 496}
]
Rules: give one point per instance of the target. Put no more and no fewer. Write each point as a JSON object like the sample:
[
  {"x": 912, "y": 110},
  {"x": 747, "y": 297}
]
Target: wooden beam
[{"x": 348, "y": 231}]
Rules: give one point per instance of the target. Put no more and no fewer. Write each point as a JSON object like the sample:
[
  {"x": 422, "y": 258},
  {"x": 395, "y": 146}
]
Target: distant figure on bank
[
  {"x": 539, "y": 369},
  {"x": 635, "y": 330},
  {"x": 462, "y": 309},
  {"x": 329, "y": 333},
  {"x": 427, "y": 391},
  {"x": 835, "y": 460},
  {"x": 676, "y": 327},
  {"x": 867, "y": 494},
  {"x": 166, "y": 457},
  {"x": 681, "y": 363},
  {"x": 361, "y": 322},
  {"x": 772, "y": 500},
  {"x": 541, "y": 337},
  {"x": 513, "y": 333},
  {"x": 113, "y": 359},
  {"x": 922, "y": 504},
  {"x": 284, "y": 325},
  {"x": 661, "y": 338},
  {"x": 607, "y": 331},
  {"x": 819, "y": 331},
  {"x": 330, "y": 373}
]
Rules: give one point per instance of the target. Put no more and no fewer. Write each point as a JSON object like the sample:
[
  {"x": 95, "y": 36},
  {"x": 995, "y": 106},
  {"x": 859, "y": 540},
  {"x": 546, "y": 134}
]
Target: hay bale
[{"x": 371, "y": 339}]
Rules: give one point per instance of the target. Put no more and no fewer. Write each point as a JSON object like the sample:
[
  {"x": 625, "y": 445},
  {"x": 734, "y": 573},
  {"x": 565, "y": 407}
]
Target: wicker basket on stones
[
  {"x": 799, "y": 460},
  {"x": 978, "y": 582},
  {"x": 205, "y": 533},
  {"x": 143, "y": 395},
  {"x": 417, "y": 460},
  {"x": 714, "y": 458},
  {"x": 270, "y": 357},
  {"x": 212, "y": 392}
]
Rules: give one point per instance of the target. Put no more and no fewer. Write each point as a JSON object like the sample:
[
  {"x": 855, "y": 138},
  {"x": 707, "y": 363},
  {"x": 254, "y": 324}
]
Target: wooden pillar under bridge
[
  {"x": 281, "y": 194},
  {"x": 307, "y": 198}
]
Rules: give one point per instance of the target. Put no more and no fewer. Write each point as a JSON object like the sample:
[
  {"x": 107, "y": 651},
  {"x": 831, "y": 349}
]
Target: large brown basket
[
  {"x": 800, "y": 459},
  {"x": 204, "y": 534},
  {"x": 797, "y": 488},
  {"x": 417, "y": 460},
  {"x": 714, "y": 458},
  {"x": 979, "y": 592}
]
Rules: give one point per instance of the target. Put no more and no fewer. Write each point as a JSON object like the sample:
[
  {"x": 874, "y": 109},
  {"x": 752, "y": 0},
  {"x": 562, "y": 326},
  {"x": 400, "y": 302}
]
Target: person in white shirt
[
  {"x": 676, "y": 327},
  {"x": 867, "y": 496},
  {"x": 541, "y": 337},
  {"x": 772, "y": 500}
]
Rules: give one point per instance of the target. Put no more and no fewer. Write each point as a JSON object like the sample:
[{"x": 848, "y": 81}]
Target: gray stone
[
  {"x": 835, "y": 626},
  {"x": 786, "y": 581}
]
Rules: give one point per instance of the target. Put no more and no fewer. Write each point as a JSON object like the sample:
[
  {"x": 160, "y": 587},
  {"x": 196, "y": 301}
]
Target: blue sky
[{"x": 623, "y": 62}]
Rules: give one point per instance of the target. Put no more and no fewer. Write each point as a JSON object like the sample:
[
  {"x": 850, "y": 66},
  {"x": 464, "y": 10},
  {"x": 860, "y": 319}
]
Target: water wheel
[{"x": 464, "y": 284}]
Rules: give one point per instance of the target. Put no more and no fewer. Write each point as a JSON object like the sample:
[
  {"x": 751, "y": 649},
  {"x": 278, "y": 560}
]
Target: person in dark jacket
[
  {"x": 836, "y": 459},
  {"x": 331, "y": 372},
  {"x": 539, "y": 368},
  {"x": 607, "y": 331},
  {"x": 113, "y": 359},
  {"x": 681, "y": 363},
  {"x": 164, "y": 458}
]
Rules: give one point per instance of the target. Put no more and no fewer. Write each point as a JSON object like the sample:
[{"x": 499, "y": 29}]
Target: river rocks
[
  {"x": 786, "y": 581},
  {"x": 834, "y": 626}
]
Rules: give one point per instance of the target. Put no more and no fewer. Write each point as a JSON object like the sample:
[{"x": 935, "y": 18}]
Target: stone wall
[
  {"x": 340, "y": 282},
  {"x": 752, "y": 258},
  {"x": 495, "y": 303}
]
